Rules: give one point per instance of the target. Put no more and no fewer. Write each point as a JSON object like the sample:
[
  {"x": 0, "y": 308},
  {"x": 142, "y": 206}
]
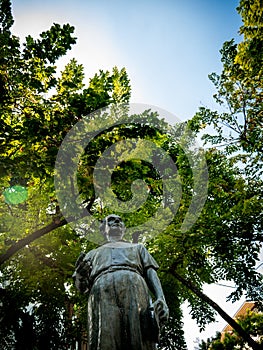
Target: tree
[
  {"x": 238, "y": 124},
  {"x": 38, "y": 109},
  {"x": 206, "y": 345},
  {"x": 238, "y": 128},
  {"x": 237, "y": 131},
  {"x": 252, "y": 322},
  {"x": 33, "y": 123}
]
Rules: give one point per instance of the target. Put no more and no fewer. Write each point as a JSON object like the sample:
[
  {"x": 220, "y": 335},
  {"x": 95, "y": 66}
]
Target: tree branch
[
  {"x": 30, "y": 238},
  {"x": 216, "y": 307},
  {"x": 39, "y": 233}
]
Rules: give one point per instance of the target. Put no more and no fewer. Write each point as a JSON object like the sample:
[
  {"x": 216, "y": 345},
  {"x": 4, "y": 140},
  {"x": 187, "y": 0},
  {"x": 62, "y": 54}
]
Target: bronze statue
[{"x": 118, "y": 277}]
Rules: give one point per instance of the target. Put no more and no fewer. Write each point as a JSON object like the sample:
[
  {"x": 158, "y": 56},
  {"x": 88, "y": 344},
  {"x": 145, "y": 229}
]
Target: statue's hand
[
  {"x": 84, "y": 268},
  {"x": 80, "y": 259},
  {"x": 82, "y": 273},
  {"x": 161, "y": 310}
]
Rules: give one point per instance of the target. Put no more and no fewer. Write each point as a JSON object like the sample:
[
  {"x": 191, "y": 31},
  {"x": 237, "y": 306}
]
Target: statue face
[{"x": 114, "y": 227}]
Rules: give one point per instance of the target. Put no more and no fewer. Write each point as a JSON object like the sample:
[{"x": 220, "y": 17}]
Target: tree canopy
[
  {"x": 252, "y": 322},
  {"x": 39, "y": 106},
  {"x": 237, "y": 123}
]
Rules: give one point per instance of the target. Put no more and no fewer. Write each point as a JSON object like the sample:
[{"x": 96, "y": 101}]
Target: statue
[{"x": 118, "y": 278}]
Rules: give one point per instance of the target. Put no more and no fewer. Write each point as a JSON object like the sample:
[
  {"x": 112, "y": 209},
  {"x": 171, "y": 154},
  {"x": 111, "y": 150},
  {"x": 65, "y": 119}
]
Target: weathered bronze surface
[{"x": 118, "y": 277}]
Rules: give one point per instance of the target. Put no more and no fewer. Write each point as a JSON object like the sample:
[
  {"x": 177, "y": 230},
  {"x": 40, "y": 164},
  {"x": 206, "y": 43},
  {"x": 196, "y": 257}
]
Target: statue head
[{"x": 113, "y": 228}]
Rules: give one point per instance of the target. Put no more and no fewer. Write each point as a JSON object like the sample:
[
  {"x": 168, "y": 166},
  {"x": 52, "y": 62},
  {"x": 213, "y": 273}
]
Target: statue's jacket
[{"x": 115, "y": 256}]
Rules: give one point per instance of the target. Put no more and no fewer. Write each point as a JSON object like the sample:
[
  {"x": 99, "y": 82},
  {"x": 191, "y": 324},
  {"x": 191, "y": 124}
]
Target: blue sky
[{"x": 167, "y": 47}]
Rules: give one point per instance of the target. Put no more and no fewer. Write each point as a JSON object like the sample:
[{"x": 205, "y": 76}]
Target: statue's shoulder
[
  {"x": 91, "y": 253},
  {"x": 140, "y": 246},
  {"x": 119, "y": 244}
]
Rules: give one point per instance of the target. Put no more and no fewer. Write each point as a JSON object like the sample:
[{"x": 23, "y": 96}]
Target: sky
[{"x": 168, "y": 49}]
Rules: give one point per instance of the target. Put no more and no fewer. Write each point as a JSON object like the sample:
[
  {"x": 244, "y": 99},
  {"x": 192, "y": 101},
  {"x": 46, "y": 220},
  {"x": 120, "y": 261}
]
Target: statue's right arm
[{"x": 82, "y": 273}]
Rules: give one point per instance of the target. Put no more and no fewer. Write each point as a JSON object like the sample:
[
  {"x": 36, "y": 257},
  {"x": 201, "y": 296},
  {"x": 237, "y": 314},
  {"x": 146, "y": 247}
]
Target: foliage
[
  {"x": 252, "y": 322},
  {"x": 237, "y": 124},
  {"x": 206, "y": 345},
  {"x": 39, "y": 106},
  {"x": 38, "y": 314},
  {"x": 236, "y": 129}
]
